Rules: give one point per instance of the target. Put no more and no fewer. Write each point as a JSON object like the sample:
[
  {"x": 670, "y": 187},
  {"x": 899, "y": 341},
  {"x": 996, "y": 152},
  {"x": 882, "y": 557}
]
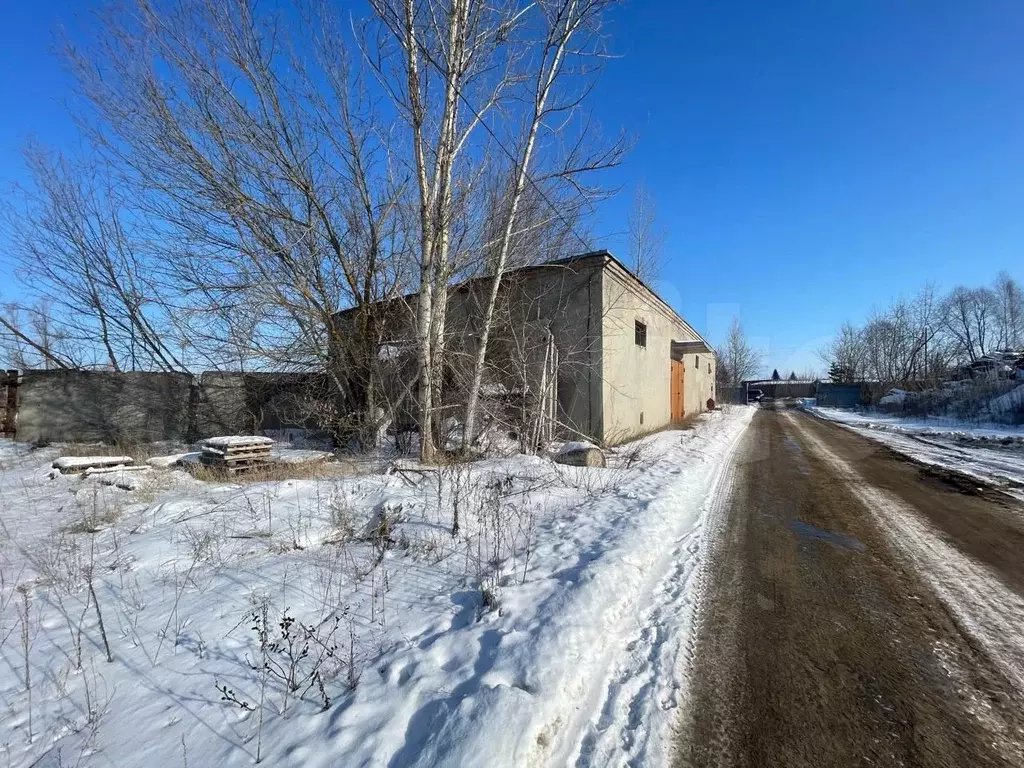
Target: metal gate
[{"x": 678, "y": 388}]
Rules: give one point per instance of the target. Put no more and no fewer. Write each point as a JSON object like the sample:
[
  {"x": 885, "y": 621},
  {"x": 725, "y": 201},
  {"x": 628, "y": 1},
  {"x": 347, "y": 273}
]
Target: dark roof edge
[
  {"x": 691, "y": 346},
  {"x": 601, "y": 253}
]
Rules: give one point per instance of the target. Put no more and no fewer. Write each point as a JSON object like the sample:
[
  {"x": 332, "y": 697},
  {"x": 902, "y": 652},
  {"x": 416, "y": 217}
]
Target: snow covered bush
[{"x": 294, "y": 657}]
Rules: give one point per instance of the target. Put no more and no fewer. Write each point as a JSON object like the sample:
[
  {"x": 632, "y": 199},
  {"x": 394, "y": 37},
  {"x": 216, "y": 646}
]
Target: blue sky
[{"x": 809, "y": 159}]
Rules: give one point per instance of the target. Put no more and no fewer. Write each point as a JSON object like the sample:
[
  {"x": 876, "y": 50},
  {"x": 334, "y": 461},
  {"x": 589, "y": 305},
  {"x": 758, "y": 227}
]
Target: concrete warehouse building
[{"x": 581, "y": 338}]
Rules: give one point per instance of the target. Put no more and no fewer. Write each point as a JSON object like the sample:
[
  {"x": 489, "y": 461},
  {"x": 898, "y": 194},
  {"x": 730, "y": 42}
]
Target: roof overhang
[{"x": 681, "y": 348}]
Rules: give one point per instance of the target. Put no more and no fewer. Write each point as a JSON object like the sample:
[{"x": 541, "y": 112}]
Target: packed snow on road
[{"x": 324, "y": 618}]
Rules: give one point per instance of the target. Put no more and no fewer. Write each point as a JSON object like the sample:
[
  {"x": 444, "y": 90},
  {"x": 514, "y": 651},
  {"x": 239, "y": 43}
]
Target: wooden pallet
[
  {"x": 238, "y": 463},
  {"x": 236, "y": 456}
]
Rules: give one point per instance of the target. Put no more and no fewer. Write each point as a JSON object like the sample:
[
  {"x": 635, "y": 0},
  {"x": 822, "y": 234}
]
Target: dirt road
[{"x": 859, "y": 610}]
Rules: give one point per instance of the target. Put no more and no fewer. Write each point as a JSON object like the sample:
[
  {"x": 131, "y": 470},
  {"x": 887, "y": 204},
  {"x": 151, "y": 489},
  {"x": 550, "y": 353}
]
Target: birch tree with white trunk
[
  {"x": 444, "y": 66},
  {"x": 741, "y": 358},
  {"x": 1010, "y": 311},
  {"x": 564, "y": 22}
]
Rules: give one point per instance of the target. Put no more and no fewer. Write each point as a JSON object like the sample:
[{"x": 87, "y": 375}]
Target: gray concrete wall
[
  {"x": 567, "y": 301},
  {"x": 100, "y": 406},
  {"x": 564, "y": 300},
  {"x": 220, "y": 406},
  {"x": 839, "y": 395},
  {"x": 96, "y": 406}
]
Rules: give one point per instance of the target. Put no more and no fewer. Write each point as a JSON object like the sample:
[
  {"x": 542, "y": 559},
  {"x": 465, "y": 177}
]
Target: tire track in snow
[
  {"x": 716, "y": 525},
  {"x": 634, "y": 723}
]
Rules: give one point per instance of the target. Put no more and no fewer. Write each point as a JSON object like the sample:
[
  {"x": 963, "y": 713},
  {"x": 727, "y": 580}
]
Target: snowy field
[
  {"x": 992, "y": 452},
  {"x": 336, "y": 620}
]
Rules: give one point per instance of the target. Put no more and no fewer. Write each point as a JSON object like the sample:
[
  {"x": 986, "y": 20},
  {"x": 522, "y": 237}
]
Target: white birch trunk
[{"x": 545, "y": 80}]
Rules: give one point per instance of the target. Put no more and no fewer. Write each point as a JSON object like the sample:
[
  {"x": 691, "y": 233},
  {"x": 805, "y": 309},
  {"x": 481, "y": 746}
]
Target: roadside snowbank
[
  {"x": 931, "y": 425},
  {"x": 992, "y": 453},
  {"x": 1009, "y": 402},
  {"x": 546, "y": 631}
]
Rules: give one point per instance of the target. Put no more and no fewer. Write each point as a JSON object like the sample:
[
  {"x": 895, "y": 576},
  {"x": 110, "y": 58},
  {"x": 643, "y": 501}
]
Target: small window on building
[
  {"x": 640, "y": 334},
  {"x": 696, "y": 362},
  {"x": 709, "y": 368}
]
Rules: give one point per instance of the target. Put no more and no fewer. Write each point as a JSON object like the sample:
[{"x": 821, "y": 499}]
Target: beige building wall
[
  {"x": 609, "y": 388},
  {"x": 637, "y": 379},
  {"x": 700, "y": 381}
]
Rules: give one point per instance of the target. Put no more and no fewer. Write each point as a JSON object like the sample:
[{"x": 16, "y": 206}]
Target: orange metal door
[{"x": 678, "y": 383}]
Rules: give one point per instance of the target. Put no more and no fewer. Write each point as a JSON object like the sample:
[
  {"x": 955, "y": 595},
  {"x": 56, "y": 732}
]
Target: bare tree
[
  {"x": 646, "y": 239},
  {"x": 723, "y": 376},
  {"x": 30, "y": 337},
  {"x": 89, "y": 267},
  {"x": 969, "y": 316},
  {"x": 923, "y": 339},
  {"x": 895, "y": 341},
  {"x": 741, "y": 359},
  {"x": 479, "y": 86},
  {"x": 255, "y": 205},
  {"x": 1009, "y": 311},
  {"x": 254, "y": 148},
  {"x": 845, "y": 355},
  {"x": 933, "y": 359},
  {"x": 437, "y": 63},
  {"x": 898, "y": 344},
  {"x": 564, "y": 22}
]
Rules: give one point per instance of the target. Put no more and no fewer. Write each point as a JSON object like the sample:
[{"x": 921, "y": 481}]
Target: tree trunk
[{"x": 545, "y": 80}]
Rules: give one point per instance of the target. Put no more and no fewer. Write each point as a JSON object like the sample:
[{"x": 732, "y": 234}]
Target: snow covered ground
[
  {"x": 336, "y": 620},
  {"x": 930, "y": 425},
  {"x": 991, "y": 452}
]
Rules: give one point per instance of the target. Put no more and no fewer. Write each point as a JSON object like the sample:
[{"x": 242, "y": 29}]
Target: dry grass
[
  {"x": 275, "y": 471},
  {"x": 97, "y": 513},
  {"x": 156, "y": 482},
  {"x": 689, "y": 422}
]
